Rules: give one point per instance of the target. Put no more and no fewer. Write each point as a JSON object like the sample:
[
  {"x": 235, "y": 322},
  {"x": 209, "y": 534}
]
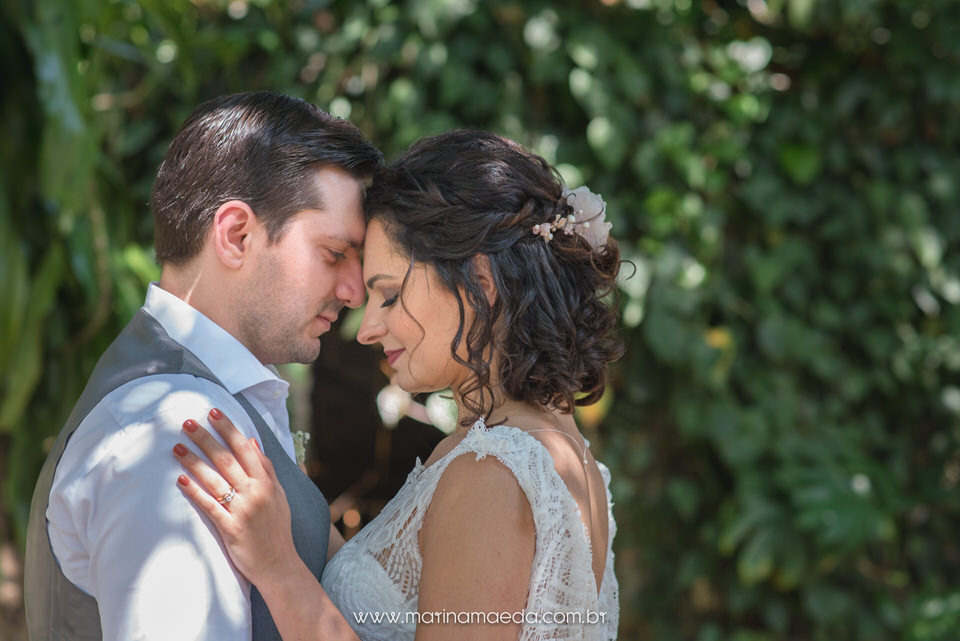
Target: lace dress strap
[
  {"x": 527, "y": 458},
  {"x": 562, "y": 578}
]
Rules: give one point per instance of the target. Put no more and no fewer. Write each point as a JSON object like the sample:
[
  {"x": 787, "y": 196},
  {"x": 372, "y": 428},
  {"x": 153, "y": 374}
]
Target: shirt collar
[{"x": 226, "y": 357}]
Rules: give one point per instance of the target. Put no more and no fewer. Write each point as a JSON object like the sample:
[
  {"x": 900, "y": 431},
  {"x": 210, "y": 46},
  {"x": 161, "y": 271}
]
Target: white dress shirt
[{"x": 120, "y": 528}]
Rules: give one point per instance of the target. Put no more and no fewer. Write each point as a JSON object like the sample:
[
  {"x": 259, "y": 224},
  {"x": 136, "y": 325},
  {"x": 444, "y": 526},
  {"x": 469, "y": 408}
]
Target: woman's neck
[{"x": 525, "y": 415}]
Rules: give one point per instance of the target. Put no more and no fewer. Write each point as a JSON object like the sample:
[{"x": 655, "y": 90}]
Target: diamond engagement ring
[{"x": 226, "y": 498}]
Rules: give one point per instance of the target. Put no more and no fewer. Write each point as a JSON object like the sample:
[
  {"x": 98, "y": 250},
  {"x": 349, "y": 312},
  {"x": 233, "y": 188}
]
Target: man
[{"x": 258, "y": 219}]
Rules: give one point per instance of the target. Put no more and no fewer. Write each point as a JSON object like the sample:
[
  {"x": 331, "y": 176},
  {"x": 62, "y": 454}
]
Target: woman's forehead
[{"x": 381, "y": 256}]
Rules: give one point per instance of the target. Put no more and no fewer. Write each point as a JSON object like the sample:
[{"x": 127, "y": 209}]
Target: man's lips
[
  {"x": 327, "y": 320},
  {"x": 393, "y": 355}
]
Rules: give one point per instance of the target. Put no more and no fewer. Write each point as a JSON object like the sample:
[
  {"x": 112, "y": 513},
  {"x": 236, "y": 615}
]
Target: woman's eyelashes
[{"x": 387, "y": 302}]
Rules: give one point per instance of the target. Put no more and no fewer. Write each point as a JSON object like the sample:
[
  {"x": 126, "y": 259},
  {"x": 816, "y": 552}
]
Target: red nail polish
[
  {"x": 183, "y": 480},
  {"x": 191, "y": 425},
  {"x": 179, "y": 450},
  {"x": 216, "y": 414}
]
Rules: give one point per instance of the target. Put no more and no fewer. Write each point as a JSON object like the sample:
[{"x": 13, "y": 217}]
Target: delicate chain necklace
[
  {"x": 583, "y": 454},
  {"x": 581, "y": 448},
  {"x": 586, "y": 473}
]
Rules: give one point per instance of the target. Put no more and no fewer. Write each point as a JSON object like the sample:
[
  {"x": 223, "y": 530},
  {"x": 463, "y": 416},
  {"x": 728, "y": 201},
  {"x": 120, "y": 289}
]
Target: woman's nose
[{"x": 371, "y": 328}]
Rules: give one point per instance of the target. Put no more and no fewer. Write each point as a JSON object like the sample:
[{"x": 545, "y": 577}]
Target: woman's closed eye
[{"x": 387, "y": 302}]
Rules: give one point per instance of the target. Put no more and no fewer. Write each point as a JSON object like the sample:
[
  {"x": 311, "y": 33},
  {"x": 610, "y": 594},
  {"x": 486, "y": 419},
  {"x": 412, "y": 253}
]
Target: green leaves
[
  {"x": 22, "y": 367},
  {"x": 801, "y": 162},
  {"x": 802, "y": 466},
  {"x": 13, "y": 284}
]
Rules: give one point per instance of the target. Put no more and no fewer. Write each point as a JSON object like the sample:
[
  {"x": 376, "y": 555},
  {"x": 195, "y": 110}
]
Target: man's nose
[{"x": 350, "y": 286}]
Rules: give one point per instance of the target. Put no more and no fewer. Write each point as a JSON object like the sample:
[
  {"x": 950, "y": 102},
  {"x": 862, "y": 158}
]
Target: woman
[{"x": 487, "y": 277}]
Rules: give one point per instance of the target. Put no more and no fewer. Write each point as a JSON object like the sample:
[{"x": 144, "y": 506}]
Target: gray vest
[{"x": 57, "y": 609}]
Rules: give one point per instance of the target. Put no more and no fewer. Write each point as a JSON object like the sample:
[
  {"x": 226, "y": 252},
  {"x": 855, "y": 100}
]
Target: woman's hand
[
  {"x": 242, "y": 497},
  {"x": 248, "y": 506}
]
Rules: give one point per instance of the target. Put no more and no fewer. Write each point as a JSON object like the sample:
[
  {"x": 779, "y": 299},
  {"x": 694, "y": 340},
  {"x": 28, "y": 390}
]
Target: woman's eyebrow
[{"x": 373, "y": 279}]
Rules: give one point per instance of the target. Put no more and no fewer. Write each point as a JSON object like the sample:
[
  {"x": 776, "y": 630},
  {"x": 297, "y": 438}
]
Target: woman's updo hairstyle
[{"x": 464, "y": 193}]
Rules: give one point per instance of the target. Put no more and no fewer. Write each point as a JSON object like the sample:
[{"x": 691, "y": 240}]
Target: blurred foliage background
[{"x": 783, "y": 433}]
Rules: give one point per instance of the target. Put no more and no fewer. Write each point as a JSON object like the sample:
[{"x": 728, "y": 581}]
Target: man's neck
[
  {"x": 179, "y": 283},
  {"x": 187, "y": 284}
]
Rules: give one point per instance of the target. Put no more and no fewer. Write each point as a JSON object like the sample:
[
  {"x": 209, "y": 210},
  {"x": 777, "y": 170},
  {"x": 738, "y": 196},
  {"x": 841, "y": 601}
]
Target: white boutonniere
[{"x": 300, "y": 440}]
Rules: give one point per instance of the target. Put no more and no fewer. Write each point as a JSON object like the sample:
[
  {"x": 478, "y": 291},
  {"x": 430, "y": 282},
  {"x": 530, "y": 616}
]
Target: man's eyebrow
[
  {"x": 346, "y": 240},
  {"x": 373, "y": 279}
]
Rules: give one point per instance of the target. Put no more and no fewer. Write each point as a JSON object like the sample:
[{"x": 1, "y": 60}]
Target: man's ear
[
  {"x": 232, "y": 225},
  {"x": 481, "y": 267}
]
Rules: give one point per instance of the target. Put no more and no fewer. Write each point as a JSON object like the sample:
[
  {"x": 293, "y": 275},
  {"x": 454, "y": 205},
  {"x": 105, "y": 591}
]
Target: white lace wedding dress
[{"x": 375, "y": 577}]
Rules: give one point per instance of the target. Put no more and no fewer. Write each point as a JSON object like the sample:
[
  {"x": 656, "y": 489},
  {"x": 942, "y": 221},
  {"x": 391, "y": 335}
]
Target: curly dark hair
[{"x": 462, "y": 194}]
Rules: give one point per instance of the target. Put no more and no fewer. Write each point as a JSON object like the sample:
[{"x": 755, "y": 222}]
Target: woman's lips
[{"x": 393, "y": 355}]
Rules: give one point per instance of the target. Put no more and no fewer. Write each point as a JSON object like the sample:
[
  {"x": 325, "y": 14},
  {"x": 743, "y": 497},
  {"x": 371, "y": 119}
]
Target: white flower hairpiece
[{"x": 587, "y": 220}]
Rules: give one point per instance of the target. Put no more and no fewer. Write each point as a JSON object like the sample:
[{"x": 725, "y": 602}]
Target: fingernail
[
  {"x": 179, "y": 450},
  {"x": 183, "y": 480},
  {"x": 191, "y": 425},
  {"x": 216, "y": 414},
  {"x": 255, "y": 442}
]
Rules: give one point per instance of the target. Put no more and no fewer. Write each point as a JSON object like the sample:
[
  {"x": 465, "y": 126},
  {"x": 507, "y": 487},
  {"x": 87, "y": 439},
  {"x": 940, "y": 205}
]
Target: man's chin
[
  {"x": 304, "y": 354},
  {"x": 308, "y": 356}
]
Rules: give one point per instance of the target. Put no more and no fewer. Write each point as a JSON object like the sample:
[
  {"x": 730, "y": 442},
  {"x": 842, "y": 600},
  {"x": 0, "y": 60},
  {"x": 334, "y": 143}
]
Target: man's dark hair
[{"x": 258, "y": 147}]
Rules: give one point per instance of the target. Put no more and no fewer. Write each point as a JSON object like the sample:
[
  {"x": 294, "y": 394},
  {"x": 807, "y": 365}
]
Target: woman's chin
[
  {"x": 414, "y": 388},
  {"x": 411, "y": 386}
]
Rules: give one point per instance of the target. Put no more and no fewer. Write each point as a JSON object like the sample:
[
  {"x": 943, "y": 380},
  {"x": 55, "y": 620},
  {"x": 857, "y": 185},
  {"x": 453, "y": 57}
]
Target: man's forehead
[
  {"x": 339, "y": 198},
  {"x": 354, "y": 241},
  {"x": 345, "y": 227}
]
